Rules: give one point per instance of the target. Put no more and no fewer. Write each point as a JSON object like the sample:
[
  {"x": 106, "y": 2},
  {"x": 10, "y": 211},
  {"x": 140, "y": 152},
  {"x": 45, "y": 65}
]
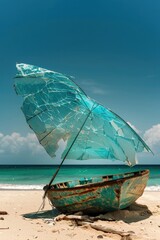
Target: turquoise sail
[{"x": 68, "y": 122}]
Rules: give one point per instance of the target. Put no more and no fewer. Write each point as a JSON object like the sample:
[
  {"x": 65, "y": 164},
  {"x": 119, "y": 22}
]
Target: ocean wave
[
  {"x": 20, "y": 187},
  {"x": 40, "y": 187},
  {"x": 153, "y": 188}
]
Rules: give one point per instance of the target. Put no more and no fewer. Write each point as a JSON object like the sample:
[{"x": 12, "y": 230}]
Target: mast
[{"x": 47, "y": 187}]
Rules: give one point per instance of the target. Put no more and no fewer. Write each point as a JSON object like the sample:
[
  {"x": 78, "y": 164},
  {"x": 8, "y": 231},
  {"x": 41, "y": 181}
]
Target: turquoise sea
[{"x": 36, "y": 176}]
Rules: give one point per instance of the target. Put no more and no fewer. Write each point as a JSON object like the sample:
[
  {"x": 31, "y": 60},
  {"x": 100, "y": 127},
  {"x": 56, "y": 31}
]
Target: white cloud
[
  {"x": 18, "y": 149},
  {"x": 15, "y": 148},
  {"x": 93, "y": 87},
  {"x": 98, "y": 91},
  {"x": 152, "y": 138},
  {"x": 15, "y": 144}
]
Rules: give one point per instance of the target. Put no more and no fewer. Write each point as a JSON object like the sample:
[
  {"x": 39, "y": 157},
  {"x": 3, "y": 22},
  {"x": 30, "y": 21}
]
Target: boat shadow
[
  {"x": 134, "y": 213},
  {"x": 42, "y": 214}
]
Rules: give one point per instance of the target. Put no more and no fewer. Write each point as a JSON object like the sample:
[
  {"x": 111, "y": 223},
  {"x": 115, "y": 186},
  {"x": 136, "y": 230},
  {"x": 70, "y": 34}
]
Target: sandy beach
[{"x": 140, "y": 221}]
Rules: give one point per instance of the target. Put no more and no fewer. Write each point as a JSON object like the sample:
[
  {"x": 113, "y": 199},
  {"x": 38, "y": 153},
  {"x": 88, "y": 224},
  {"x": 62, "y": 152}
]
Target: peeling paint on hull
[{"x": 100, "y": 194}]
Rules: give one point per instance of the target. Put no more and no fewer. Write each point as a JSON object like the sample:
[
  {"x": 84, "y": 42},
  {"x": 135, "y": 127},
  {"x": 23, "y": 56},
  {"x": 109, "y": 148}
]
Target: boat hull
[{"x": 100, "y": 194}]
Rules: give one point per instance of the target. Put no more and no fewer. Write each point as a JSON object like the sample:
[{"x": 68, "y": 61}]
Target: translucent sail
[{"x": 65, "y": 120}]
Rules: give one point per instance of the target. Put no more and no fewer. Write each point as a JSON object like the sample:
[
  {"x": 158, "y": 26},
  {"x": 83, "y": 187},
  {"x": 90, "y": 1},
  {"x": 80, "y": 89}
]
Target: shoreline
[
  {"x": 34, "y": 187},
  {"x": 22, "y": 222}
]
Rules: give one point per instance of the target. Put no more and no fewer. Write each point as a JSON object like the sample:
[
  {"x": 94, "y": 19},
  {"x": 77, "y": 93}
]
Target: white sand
[{"x": 144, "y": 221}]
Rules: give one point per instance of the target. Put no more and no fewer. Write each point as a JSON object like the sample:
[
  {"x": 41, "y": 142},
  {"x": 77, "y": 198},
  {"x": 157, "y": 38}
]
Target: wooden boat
[
  {"x": 99, "y": 194},
  {"x": 71, "y": 125}
]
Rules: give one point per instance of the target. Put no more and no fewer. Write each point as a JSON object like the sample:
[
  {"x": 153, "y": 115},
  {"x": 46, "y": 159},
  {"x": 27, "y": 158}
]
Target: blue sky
[{"x": 112, "y": 48}]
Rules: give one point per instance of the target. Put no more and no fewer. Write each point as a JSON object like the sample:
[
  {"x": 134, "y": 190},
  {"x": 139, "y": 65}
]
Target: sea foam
[
  {"x": 152, "y": 188},
  {"x": 20, "y": 187},
  {"x": 40, "y": 187}
]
